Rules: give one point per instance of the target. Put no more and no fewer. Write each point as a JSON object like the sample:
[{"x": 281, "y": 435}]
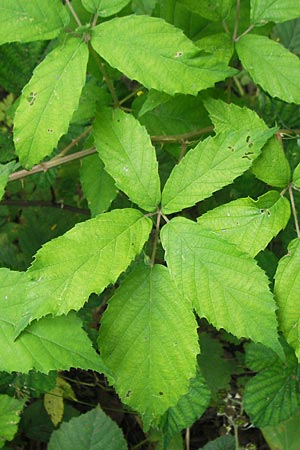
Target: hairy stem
[
  {"x": 294, "y": 211},
  {"x": 94, "y": 23},
  {"x": 43, "y": 167},
  {"x": 73, "y": 12},
  {"x": 187, "y": 439},
  {"x": 245, "y": 32},
  {"x": 182, "y": 137},
  {"x": 62, "y": 159},
  {"x": 73, "y": 143}
]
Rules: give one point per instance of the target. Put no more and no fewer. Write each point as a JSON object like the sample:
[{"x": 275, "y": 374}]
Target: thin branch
[
  {"x": 43, "y": 167},
  {"x": 73, "y": 143},
  {"x": 95, "y": 20},
  {"x": 59, "y": 159},
  {"x": 294, "y": 211},
  {"x": 239, "y": 86},
  {"x": 245, "y": 32},
  {"x": 183, "y": 150},
  {"x": 187, "y": 438},
  {"x": 74, "y": 14},
  {"x": 106, "y": 78},
  {"x": 225, "y": 26},
  {"x": 237, "y": 18},
  {"x": 285, "y": 131},
  {"x": 129, "y": 96},
  {"x": 36, "y": 203},
  {"x": 182, "y": 137}
]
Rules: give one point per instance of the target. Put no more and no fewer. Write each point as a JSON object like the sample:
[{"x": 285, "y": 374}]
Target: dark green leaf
[{"x": 93, "y": 430}]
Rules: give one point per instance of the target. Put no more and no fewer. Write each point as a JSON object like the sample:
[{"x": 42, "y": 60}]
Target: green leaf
[
  {"x": 104, "y": 8},
  {"x": 249, "y": 224},
  {"x": 129, "y": 157},
  {"x": 296, "y": 176},
  {"x": 157, "y": 54},
  {"x": 272, "y": 166},
  {"x": 31, "y": 21},
  {"x": 5, "y": 171},
  {"x": 287, "y": 286},
  {"x": 285, "y": 435},
  {"x": 197, "y": 175},
  {"x": 98, "y": 187},
  {"x": 92, "y": 96},
  {"x": 288, "y": 34},
  {"x": 153, "y": 100},
  {"x": 49, "y": 344},
  {"x": 151, "y": 362},
  {"x": 273, "y": 11},
  {"x": 10, "y": 410},
  {"x": 211, "y": 10},
  {"x": 228, "y": 116},
  {"x": 93, "y": 430},
  {"x": 213, "y": 365},
  {"x": 224, "y": 285},
  {"x": 261, "y": 56},
  {"x": 84, "y": 260},
  {"x": 220, "y": 44},
  {"x": 190, "y": 408},
  {"x": 226, "y": 442},
  {"x": 273, "y": 394},
  {"x": 56, "y": 84},
  {"x": 175, "y": 115}
]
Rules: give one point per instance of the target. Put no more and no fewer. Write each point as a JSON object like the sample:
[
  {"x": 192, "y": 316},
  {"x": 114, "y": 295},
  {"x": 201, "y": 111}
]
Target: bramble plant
[{"x": 149, "y": 175}]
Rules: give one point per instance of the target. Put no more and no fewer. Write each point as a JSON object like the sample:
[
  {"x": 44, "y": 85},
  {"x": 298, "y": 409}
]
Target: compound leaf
[
  {"x": 273, "y": 11},
  {"x": 149, "y": 377},
  {"x": 287, "y": 285},
  {"x": 224, "y": 285},
  {"x": 86, "y": 259},
  {"x": 125, "y": 148},
  {"x": 92, "y": 430},
  {"x": 249, "y": 224},
  {"x": 273, "y": 394},
  {"x": 10, "y": 410},
  {"x": 56, "y": 84},
  {"x": 31, "y": 21},
  {"x": 157, "y": 54},
  {"x": 104, "y": 8},
  {"x": 212, "y": 164},
  {"x": 261, "y": 56},
  {"x": 49, "y": 344}
]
